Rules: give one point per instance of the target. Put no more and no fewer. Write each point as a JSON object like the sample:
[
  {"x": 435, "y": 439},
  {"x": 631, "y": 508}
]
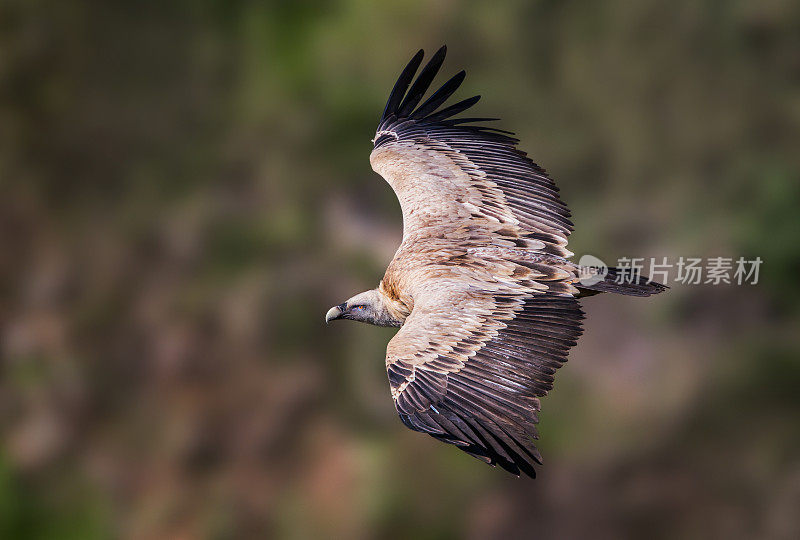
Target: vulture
[{"x": 481, "y": 288}]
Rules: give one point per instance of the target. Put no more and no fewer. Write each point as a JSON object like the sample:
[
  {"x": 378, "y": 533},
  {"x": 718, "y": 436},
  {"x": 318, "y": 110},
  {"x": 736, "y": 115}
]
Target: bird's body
[{"x": 481, "y": 285}]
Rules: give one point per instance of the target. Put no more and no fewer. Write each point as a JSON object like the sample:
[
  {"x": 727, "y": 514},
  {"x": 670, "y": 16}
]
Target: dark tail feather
[{"x": 622, "y": 281}]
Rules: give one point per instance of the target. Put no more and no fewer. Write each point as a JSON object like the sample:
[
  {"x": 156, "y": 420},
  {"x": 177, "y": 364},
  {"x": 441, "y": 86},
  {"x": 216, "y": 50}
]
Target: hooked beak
[{"x": 334, "y": 313}]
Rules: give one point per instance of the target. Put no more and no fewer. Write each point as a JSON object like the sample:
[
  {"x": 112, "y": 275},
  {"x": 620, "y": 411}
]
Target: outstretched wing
[
  {"x": 468, "y": 367},
  {"x": 461, "y": 172}
]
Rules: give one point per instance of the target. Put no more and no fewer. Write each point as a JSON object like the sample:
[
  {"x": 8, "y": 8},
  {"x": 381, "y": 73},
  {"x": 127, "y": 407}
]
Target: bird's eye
[{"x": 359, "y": 308}]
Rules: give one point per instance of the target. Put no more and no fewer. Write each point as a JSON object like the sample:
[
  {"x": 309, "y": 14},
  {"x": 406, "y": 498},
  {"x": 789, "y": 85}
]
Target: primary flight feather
[{"x": 481, "y": 286}]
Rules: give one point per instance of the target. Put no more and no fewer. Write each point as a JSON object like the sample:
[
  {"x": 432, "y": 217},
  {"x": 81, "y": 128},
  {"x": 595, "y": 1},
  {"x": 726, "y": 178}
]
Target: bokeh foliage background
[{"x": 185, "y": 191}]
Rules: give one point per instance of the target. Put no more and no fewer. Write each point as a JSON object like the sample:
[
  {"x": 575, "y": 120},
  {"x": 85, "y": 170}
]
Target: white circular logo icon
[{"x": 593, "y": 270}]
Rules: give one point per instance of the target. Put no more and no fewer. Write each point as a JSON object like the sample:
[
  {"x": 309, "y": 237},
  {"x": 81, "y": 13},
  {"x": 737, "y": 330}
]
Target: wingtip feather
[{"x": 404, "y": 99}]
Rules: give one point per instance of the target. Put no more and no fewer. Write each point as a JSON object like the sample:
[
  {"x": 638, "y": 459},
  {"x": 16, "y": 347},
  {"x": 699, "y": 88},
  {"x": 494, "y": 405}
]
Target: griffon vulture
[{"x": 481, "y": 287}]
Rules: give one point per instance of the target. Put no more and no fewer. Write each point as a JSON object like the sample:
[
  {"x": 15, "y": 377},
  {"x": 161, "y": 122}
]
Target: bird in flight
[{"x": 481, "y": 287}]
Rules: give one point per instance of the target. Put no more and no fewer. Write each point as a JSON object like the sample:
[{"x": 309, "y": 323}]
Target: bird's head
[{"x": 368, "y": 307}]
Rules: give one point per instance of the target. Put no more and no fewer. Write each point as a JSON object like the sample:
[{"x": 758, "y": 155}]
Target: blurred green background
[{"x": 186, "y": 190}]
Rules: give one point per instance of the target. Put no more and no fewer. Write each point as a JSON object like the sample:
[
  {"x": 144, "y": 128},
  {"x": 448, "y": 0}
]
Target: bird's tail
[{"x": 621, "y": 281}]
